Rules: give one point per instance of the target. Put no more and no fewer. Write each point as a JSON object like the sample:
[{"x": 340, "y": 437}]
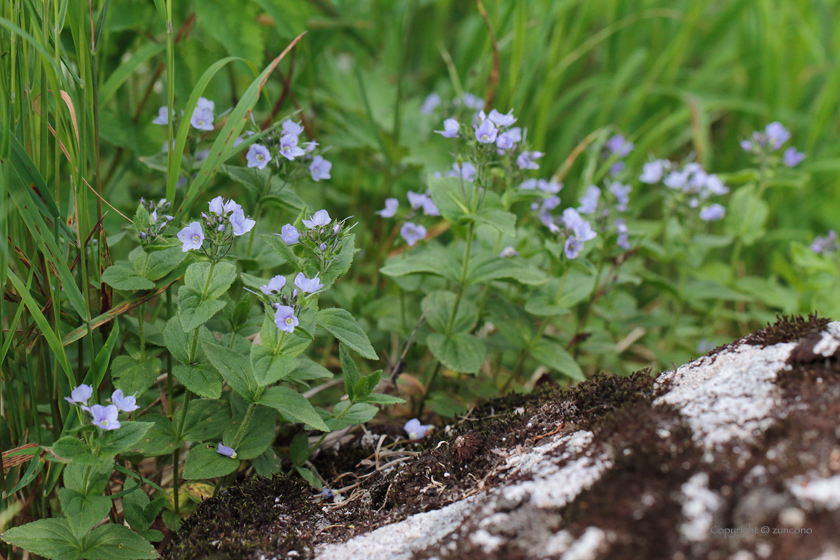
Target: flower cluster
[
  {"x": 223, "y": 222},
  {"x": 322, "y": 234},
  {"x": 493, "y": 131},
  {"x": 104, "y": 417},
  {"x": 765, "y": 144},
  {"x": 617, "y": 146},
  {"x": 286, "y": 301},
  {"x": 469, "y": 101},
  {"x": 410, "y": 231},
  {"x": 151, "y": 220},
  {"x": 827, "y": 244},
  {"x": 201, "y": 119},
  {"x": 690, "y": 182},
  {"x": 285, "y": 145}
]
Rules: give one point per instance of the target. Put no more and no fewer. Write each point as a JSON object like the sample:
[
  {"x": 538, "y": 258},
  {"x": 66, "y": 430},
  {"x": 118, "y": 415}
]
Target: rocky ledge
[{"x": 735, "y": 456}]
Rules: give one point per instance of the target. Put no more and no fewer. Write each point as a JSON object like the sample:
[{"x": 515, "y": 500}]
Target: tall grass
[{"x": 79, "y": 84}]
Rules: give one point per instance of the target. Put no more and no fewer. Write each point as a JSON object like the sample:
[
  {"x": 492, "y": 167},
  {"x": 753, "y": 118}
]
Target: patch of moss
[{"x": 786, "y": 329}]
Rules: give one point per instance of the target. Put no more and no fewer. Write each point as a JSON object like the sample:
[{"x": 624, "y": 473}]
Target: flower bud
[{"x": 142, "y": 235}]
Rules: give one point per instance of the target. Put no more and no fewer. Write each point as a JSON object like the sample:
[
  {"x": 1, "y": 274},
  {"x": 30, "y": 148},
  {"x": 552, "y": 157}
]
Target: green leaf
[
  {"x": 117, "y": 542},
  {"x": 349, "y": 371},
  {"x": 308, "y": 370},
  {"x": 134, "y": 506},
  {"x": 553, "y": 355},
  {"x": 460, "y": 352},
  {"x": 293, "y": 406},
  {"x": 161, "y": 439},
  {"x": 235, "y": 369},
  {"x": 747, "y": 215},
  {"x": 341, "y": 324},
  {"x": 241, "y": 35},
  {"x": 358, "y": 413},
  {"x": 160, "y": 263},
  {"x": 502, "y": 221},
  {"x": 204, "y": 462},
  {"x": 206, "y": 419},
  {"x": 75, "y": 450},
  {"x": 127, "y": 435},
  {"x": 309, "y": 477},
  {"x": 487, "y": 267},
  {"x": 124, "y": 71},
  {"x": 132, "y": 376},
  {"x": 558, "y": 294},
  {"x": 82, "y": 512},
  {"x": 193, "y": 311},
  {"x": 50, "y": 538},
  {"x": 365, "y": 386},
  {"x": 438, "y": 307},
  {"x": 259, "y": 433},
  {"x": 279, "y": 246},
  {"x": 451, "y": 195},
  {"x": 87, "y": 480},
  {"x": 224, "y": 274},
  {"x": 340, "y": 263},
  {"x": 201, "y": 379},
  {"x": 382, "y": 399},
  {"x": 268, "y": 464},
  {"x": 431, "y": 261},
  {"x": 270, "y": 367},
  {"x": 299, "y": 448},
  {"x": 120, "y": 277},
  {"x": 512, "y": 321}
]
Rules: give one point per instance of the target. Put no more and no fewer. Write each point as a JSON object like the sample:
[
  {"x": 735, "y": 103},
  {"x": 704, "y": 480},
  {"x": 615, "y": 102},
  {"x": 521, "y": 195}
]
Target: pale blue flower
[
  {"x": 525, "y": 160},
  {"x": 676, "y": 179},
  {"x": 431, "y": 103},
  {"x": 222, "y": 449},
  {"x": 747, "y": 145},
  {"x": 105, "y": 417},
  {"x": 623, "y": 240},
  {"x": 500, "y": 119},
  {"x": 465, "y": 171},
  {"x": 429, "y": 207},
  {"x": 217, "y": 206},
  {"x": 777, "y": 134},
  {"x": 508, "y": 252},
  {"x": 289, "y": 234},
  {"x": 258, "y": 156},
  {"x": 163, "y": 117},
  {"x": 274, "y": 285},
  {"x": 416, "y": 430},
  {"x": 571, "y": 218},
  {"x": 550, "y": 203},
  {"x": 205, "y": 104},
  {"x": 472, "y": 101},
  {"x": 712, "y": 213},
  {"x": 308, "y": 285},
  {"x": 80, "y": 394},
  {"x": 529, "y": 184},
  {"x": 202, "y": 119},
  {"x": 289, "y": 148},
  {"x": 391, "y": 205},
  {"x": 504, "y": 141},
  {"x": 715, "y": 186},
  {"x": 486, "y": 132},
  {"x": 327, "y": 494},
  {"x": 617, "y": 168},
  {"x": 589, "y": 201},
  {"x": 284, "y": 318},
  {"x": 550, "y": 187},
  {"x": 622, "y": 194},
  {"x": 126, "y": 404},
  {"x": 573, "y": 247},
  {"x": 652, "y": 171},
  {"x": 291, "y": 127},
  {"x": 416, "y": 200},
  {"x": 321, "y": 218},
  {"x": 191, "y": 236},
  {"x": 820, "y": 245},
  {"x": 241, "y": 224},
  {"x": 617, "y": 145},
  {"x": 412, "y": 233},
  {"x": 310, "y": 146},
  {"x": 450, "y": 128},
  {"x": 792, "y": 157},
  {"x": 320, "y": 168}
]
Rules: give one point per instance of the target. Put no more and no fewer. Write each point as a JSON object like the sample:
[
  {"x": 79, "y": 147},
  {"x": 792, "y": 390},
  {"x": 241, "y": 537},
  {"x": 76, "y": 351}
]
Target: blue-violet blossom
[
  {"x": 285, "y": 318},
  {"x": 80, "y": 394},
  {"x": 191, "y": 236},
  {"x": 289, "y": 234},
  {"x": 105, "y": 417},
  {"x": 258, "y": 156},
  {"x": 320, "y": 218},
  {"x": 126, "y": 404},
  {"x": 416, "y": 430},
  {"x": 274, "y": 285},
  {"x": 222, "y": 449},
  {"x": 412, "y": 233},
  {"x": 320, "y": 168},
  {"x": 308, "y": 285},
  {"x": 391, "y": 205}
]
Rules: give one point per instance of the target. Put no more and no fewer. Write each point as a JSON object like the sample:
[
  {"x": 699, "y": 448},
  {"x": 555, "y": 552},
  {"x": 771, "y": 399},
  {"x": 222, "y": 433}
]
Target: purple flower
[
  {"x": 472, "y": 101},
  {"x": 525, "y": 160},
  {"x": 416, "y": 430},
  {"x": 322, "y": 246},
  {"x": 430, "y": 208},
  {"x": 105, "y": 417},
  {"x": 504, "y": 141},
  {"x": 486, "y": 132},
  {"x": 412, "y": 233},
  {"x": 80, "y": 394},
  {"x": 508, "y": 252},
  {"x": 291, "y": 127},
  {"x": 792, "y": 157},
  {"x": 622, "y": 240},
  {"x": 308, "y": 285},
  {"x": 573, "y": 247},
  {"x": 571, "y": 218},
  {"x": 191, "y": 236},
  {"x": 712, "y": 213},
  {"x": 258, "y": 156},
  {"x": 776, "y": 134},
  {"x": 327, "y": 494},
  {"x": 289, "y": 148},
  {"x": 747, "y": 145},
  {"x": 500, "y": 119},
  {"x": 549, "y": 186},
  {"x": 391, "y": 205},
  {"x": 617, "y": 145},
  {"x": 430, "y": 104},
  {"x": 320, "y": 168},
  {"x": 289, "y": 234},
  {"x": 163, "y": 118},
  {"x": 126, "y": 404},
  {"x": 820, "y": 245},
  {"x": 310, "y": 146},
  {"x": 205, "y": 104},
  {"x": 202, "y": 119},
  {"x": 274, "y": 285},
  {"x": 528, "y": 184},
  {"x": 321, "y": 218},
  {"x": 241, "y": 224},
  {"x": 285, "y": 318},
  {"x": 465, "y": 171},
  {"x": 589, "y": 201},
  {"x": 621, "y": 193},
  {"x": 583, "y": 231},
  {"x": 676, "y": 179},
  {"x": 715, "y": 186},
  {"x": 617, "y": 168},
  {"x": 550, "y": 203},
  {"x": 416, "y": 200},
  {"x": 217, "y": 206},
  {"x": 450, "y": 128},
  {"x": 652, "y": 171},
  {"x": 226, "y": 451}
]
